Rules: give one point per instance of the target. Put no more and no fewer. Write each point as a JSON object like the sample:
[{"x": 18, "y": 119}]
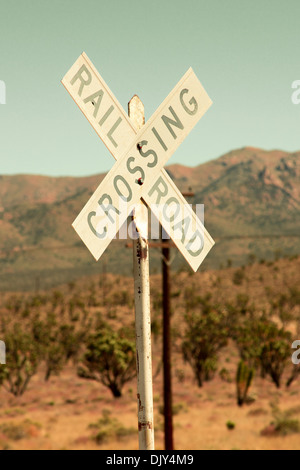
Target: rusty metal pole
[
  {"x": 142, "y": 307},
  {"x": 167, "y": 368}
]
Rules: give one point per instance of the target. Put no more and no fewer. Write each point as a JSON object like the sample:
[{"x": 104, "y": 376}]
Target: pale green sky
[{"x": 246, "y": 54}]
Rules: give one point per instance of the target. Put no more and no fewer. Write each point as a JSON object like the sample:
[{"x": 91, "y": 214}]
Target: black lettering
[
  {"x": 105, "y": 116},
  {"x": 120, "y": 193},
  {"x": 79, "y": 76},
  {"x": 192, "y": 102},
  {"x": 174, "y": 122},
  {"x": 112, "y": 130},
  {"x": 96, "y": 99},
  {"x": 159, "y": 139},
  {"x": 166, "y": 207},
  {"x": 146, "y": 154},
  {"x": 191, "y": 242},
  {"x": 160, "y": 187},
  {"x": 135, "y": 169},
  {"x": 107, "y": 208},
  {"x": 89, "y": 219},
  {"x": 182, "y": 226}
]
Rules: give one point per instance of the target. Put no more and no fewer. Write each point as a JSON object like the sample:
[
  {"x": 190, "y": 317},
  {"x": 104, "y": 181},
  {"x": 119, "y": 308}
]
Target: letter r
[
  {"x": 161, "y": 188},
  {"x": 83, "y": 81}
]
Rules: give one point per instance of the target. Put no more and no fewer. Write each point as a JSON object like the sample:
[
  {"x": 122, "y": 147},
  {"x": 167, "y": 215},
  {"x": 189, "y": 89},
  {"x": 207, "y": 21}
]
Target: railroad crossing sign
[{"x": 141, "y": 155}]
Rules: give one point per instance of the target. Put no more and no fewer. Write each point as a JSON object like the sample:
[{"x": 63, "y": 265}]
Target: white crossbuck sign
[{"x": 141, "y": 155}]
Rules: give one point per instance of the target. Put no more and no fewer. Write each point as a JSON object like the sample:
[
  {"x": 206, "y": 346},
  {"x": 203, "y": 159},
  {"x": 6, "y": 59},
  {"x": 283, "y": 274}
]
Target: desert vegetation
[{"x": 228, "y": 330}]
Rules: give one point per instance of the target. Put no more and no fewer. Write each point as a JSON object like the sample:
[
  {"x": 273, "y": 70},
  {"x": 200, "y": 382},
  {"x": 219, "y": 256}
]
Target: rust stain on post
[
  {"x": 141, "y": 407},
  {"x": 146, "y": 425},
  {"x": 142, "y": 252}
]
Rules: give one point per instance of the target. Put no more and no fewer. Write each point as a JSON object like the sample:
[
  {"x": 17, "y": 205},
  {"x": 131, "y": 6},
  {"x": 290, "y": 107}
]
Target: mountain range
[{"x": 252, "y": 209}]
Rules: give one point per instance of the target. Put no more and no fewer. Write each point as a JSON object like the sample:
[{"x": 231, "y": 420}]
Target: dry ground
[{"x": 59, "y": 415}]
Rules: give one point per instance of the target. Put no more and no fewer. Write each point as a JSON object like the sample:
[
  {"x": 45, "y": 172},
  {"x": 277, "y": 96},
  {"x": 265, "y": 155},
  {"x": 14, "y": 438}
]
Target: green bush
[
  {"x": 204, "y": 337},
  {"x": 263, "y": 344},
  {"x": 109, "y": 359},
  {"x": 107, "y": 428},
  {"x": 23, "y": 358},
  {"x": 238, "y": 277},
  {"x": 230, "y": 425},
  {"x": 283, "y": 423},
  {"x": 18, "y": 431}
]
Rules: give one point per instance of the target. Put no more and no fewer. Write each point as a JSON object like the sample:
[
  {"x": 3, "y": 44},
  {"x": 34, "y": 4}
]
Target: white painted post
[{"x": 142, "y": 307}]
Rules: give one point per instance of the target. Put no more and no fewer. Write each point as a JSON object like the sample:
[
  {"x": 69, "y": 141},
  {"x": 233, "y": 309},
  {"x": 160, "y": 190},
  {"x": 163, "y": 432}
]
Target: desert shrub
[
  {"x": 179, "y": 373},
  {"x": 175, "y": 294},
  {"x": 257, "y": 412},
  {"x": 107, "y": 428},
  {"x": 156, "y": 298},
  {"x": 69, "y": 339},
  {"x": 14, "y": 304},
  {"x": 176, "y": 409},
  {"x": 57, "y": 298},
  {"x": 294, "y": 296},
  {"x": 225, "y": 375},
  {"x": 277, "y": 254},
  {"x": 18, "y": 431},
  {"x": 109, "y": 359},
  {"x": 193, "y": 301},
  {"x": 293, "y": 375},
  {"x": 283, "y": 304},
  {"x": 287, "y": 426},
  {"x": 248, "y": 344},
  {"x": 230, "y": 425},
  {"x": 156, "y": 328},
  {"x": 77, "y": 310},
  {"x": 204, "y": 337},
  {"x": 121, "y": 297},
  {"x": 283, "y": 424},
  {"x": 238, "y": 277},
  {"x": 262, "y": 343},
  {"x": 50, "y": 351},
  {"x": 242, "y": 304},
  {"x": 251, "y": 258},
  {"x": 57, "y": 342},
  {"x": 275, "y": 353},
  {"x": 23, "y": 358}
]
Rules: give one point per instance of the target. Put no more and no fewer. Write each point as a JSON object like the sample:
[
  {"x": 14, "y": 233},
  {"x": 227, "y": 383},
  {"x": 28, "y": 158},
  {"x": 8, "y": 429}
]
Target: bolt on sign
[{"x": 141, "y": 156}]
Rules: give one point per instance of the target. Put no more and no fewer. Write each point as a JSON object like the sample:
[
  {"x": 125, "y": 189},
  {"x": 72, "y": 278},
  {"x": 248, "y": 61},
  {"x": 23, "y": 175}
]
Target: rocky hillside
[{"x": 252, "y": 207}]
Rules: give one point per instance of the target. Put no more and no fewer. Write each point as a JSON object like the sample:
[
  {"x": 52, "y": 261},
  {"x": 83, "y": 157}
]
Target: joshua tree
[{"x": 244, "y": 377}]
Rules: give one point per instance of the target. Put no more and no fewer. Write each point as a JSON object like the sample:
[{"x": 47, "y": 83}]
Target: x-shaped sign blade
[{"x": 147, "y": 152}]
